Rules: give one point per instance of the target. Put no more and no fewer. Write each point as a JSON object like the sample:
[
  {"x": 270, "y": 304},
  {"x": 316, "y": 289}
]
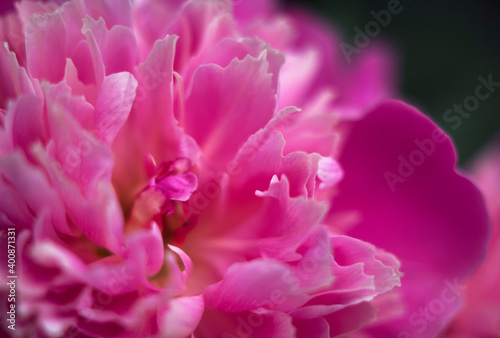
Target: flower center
[{"x": 163, "y": 200}]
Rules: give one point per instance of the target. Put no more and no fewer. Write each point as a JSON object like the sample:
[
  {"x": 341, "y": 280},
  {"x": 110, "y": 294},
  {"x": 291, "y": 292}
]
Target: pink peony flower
[
  {"x": 162, "y": 182},
  {"x": 480, "y": 316}
]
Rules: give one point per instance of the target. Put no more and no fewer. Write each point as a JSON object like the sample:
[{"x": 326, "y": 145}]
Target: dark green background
[{"x": 443, "y": 46}]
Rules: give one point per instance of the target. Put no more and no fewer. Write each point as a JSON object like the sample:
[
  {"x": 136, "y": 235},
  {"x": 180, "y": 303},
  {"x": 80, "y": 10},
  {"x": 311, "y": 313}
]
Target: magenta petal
[
  {"x": 312, "y": 328},
  {"x": 46, "y": 47},
  {"x": 267, "y": 324},
  {"x": 178, "y": 187},
  {"x": 7, "y": 90},
  {"x": 351, "y": 318},
  {"x": 21, "y": 82},
  {"x": 436, "y": 215},
  {"x": 28, "y": 125}
]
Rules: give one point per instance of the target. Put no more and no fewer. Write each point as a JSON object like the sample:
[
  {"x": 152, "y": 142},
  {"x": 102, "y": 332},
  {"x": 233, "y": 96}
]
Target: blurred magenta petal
[{"x": 429, "y": 201}]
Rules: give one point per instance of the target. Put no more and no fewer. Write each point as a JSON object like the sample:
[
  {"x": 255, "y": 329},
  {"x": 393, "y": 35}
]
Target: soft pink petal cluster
[{"x": 196, "y": 168}]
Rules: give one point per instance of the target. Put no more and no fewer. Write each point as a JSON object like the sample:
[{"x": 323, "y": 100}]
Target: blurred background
[{"x": 443, "y": 47}]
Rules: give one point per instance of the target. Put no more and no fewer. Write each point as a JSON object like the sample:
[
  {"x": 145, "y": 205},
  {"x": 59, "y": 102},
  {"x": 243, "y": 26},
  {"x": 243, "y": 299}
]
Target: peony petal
[
  {"x": 245, "y": 324},
  {"x": 178, "y": 187},
  {"x": 361, "y": 272},
  {"x": 113, "y": 104},
  {"x": 222, "y": 112},
  {"x": 292, "y": 219},
  {"x": 312, "y": 328},
  {"x": 329, "y": 172},
  {"x": 46, "y": 47},
  {"x": 19, "y": 78},
  {"x": 350, "y": 318},
  {"x": 29, "y": 181},
  {"x": 314, "y": 268},
  {"x": 430, "y": 202},
  {"x": 117, "y": 46},
  {"x": 369, "y": 80},
  {"x": 221, "y": 50},
  {"x": 114, "y": 12},
  {"x": 152, "y": 18},
  {"x": 27, "y": 122},
  {"x": 262, "y": 157},
  {"x": 255, "y": 284},
  {"x": 173, "y": 322},
  {"x": 151, "y": 122},
  {"x": 149, "y": 241}
]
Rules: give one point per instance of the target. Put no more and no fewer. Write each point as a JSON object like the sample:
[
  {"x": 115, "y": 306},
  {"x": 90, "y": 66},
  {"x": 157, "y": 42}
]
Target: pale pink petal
[
  {"x": 149, "y": 241},
  {"x": 262, "y": 157},
  {"x": 292, "y": 219},
  {"x": 92, "y": 47},
  {"x": 152, "y": 19},
  {"x": 222, "y": 112},
  {"x": 228, "y": 48},
  {"x": 360, "y": 272},
  {"x": 251, "y": 285},
  {"x": 113, "y": 104},
  {"x": 329, "y": 172},
  {"x": 117, "y": 46},
  {"x": 29, "y": 181},
  {"x": 174, "y": 321}
]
